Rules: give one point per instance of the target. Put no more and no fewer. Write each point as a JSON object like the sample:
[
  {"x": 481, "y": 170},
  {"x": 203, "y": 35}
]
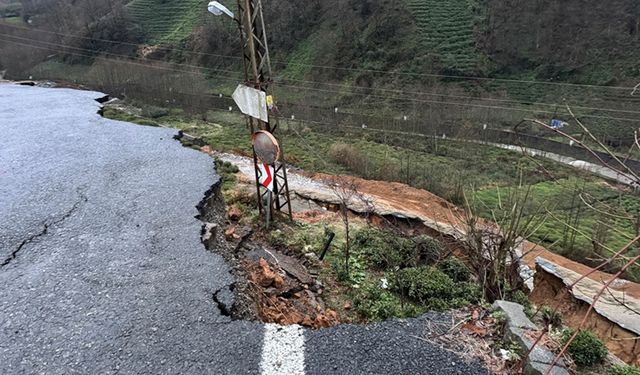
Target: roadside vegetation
[{"x": 390, "y": 275}]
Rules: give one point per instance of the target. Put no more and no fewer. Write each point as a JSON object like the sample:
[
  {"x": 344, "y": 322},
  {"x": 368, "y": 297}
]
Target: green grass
[
  {"x": 567, "y": 217},
  {"x": 299, "y": 62},
  {"x": 12, "y": 20},
  {"x": 115, "y": 114},
  {"x": 166, "y": 21}
]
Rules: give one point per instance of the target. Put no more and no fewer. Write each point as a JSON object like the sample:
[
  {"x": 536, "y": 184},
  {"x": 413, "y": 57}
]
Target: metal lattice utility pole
[{"x": 257, "y": 74}]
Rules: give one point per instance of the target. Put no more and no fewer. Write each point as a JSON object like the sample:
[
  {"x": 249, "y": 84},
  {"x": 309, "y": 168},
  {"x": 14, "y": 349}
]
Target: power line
[
  {"x": 118, "y": 42},
  {"x": 362, "y": 70},
  {"x": 461, "y": 97},
  {"x": 401, "y": 92},
  {"x": 115, "y": 54},
  {"x": 125, "y": 61},
  {"x": 335, "y": 85},
  {"x": 465, "y": 104},
  {"x": 307, "y": 88}
]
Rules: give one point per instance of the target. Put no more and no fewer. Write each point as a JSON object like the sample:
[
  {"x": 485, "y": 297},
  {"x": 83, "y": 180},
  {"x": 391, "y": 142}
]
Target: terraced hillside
[
  {"x": 165, "y": 21},
  {"x": 447, "y": 31}
]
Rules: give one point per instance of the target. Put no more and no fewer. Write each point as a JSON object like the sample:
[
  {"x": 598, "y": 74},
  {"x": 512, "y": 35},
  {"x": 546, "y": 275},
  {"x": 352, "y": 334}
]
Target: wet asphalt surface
[{"x": 102, "y": 268}]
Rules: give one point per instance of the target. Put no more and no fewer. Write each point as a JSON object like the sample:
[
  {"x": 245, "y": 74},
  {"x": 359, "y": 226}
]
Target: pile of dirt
[
  {"x": 273, "y": 284},
  {"x": 405, "y": 199},
  {"x": 283, "y": 299}
]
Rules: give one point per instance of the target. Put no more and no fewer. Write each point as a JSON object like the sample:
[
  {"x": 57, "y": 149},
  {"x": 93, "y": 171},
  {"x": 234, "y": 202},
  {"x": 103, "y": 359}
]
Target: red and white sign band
[{"x": 266, "y": 176}]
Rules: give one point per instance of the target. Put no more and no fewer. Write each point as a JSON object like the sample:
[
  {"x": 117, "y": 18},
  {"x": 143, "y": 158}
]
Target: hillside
[
  {"x": 353, "y": 53},
  {"x": 573, "y": 41}
]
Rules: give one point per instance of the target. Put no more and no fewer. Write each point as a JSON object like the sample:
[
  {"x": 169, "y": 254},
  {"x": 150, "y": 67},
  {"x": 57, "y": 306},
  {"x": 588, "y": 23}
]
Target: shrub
[
  {"x": 586, "y": 349},
  {"x": 499, "y": 316},
  {"x": 375, "y": 303},
  {"x": 154, "y": 112},
  {"x": 429, "y": 249},
  {"x": 386, "y": 250},
  {"x": 624, "y": 370},
  {"x": 434, "y": 289},
  {"x": 455, "y": 269},
  {"x": 352, "y": 158},
  {"x": 225, "y": 168},
  {"x": 356, "y": 274},
  {"x": 550, "y": 317}
]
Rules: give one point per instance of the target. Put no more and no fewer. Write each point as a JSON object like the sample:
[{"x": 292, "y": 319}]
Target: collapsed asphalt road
[{"x": 102, "y": 270}]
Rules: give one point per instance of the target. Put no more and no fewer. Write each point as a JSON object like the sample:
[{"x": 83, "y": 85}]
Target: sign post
[
  {"x": 254, "y": 98},
  {"x": 270, "y": 174}
]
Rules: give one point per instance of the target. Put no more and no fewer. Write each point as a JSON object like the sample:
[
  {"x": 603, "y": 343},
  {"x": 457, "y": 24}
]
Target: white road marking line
[{"x": 282, "y": 350}]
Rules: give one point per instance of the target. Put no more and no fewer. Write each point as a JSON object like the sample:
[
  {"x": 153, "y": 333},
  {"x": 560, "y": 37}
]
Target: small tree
[
  {"x": 346, "y": 191},
  {"x": 495, "y": 249}
]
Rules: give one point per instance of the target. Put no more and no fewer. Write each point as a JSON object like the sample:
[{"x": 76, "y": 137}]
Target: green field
[
  {"x": 167, "y": 21},
  {"x": 446, "y": 29}
]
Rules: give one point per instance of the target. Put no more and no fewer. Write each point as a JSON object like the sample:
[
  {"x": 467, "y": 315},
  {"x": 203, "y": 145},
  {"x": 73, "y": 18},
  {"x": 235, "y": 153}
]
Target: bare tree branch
[
  {"x": 591, "y": 307},
  {"x": 586, "y": 130},
  {"x": 570, "y": 287},
  {"x": 346, "y": 190},
  {"x": 636, "y": 178}
]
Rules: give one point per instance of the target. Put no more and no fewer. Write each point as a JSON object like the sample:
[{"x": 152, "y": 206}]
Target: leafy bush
[
  {"x": 383, "y": 250},
  {"x": 624, "y": 370},
  {"x": 500, "y": 316},
  {"x": 386, "y": 250},
  {"x": 586, "y": 349},
  {"x": 434, "y": 289},
  {"x": 429, "y": 249},
  {"x": 376, "y": 303},
  {"x": 551, "y": 317},
  {"x": 225, "y": 168},
  {"x": 455, "y": 269},
  {"x": 357, "y": 273}
]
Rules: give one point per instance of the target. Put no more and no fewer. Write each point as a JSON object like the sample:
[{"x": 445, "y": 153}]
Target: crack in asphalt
[
  {"x": 224, "y": 309},
  {"x": 45, "y": 229}
]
